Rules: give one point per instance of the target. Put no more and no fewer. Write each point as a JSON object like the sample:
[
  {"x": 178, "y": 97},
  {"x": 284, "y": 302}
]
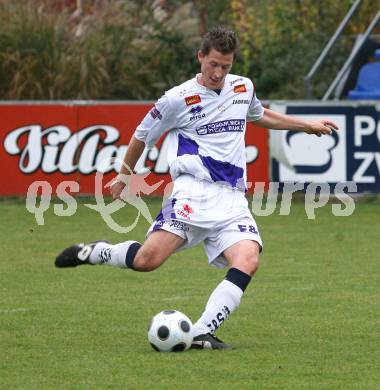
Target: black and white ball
[{"x": 170, "y": 331}]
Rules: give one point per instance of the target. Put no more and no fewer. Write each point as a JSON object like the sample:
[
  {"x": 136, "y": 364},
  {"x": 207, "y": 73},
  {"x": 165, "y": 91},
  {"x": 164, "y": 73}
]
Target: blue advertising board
[{"x": 351, "y": 154}]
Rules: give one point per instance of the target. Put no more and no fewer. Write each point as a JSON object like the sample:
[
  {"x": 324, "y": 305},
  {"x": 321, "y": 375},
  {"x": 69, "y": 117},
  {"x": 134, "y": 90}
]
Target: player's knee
[
  {"x": 147, "y": 260},
  {"x": 250, "y": 262},
  {"x": 255, "y": 262}
]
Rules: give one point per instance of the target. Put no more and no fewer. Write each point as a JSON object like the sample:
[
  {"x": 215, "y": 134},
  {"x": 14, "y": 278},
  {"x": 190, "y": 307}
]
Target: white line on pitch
[{"x": 20, "y": 310}]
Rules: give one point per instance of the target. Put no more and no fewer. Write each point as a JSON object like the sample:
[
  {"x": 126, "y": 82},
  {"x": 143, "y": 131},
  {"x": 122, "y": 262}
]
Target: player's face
[{"x": 214, "y": 68}]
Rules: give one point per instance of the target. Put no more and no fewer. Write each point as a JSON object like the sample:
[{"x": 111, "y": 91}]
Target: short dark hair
[{"x": 221, "y": 39}]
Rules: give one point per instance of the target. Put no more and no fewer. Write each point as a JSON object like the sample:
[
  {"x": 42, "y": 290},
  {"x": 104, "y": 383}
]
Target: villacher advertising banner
[{"x": 71, "y": 141}]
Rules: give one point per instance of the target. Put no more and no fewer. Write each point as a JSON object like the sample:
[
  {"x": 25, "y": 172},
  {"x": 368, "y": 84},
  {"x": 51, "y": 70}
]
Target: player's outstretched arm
[
  {"x": 134, "y": 151},
  {"x": 277, "y": 121}
]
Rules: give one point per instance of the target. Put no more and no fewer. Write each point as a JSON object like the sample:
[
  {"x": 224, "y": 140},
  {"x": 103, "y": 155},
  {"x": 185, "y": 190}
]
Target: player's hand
[
  {"x": 117, "y": 186},
  {"x": 321, "y": 127}
]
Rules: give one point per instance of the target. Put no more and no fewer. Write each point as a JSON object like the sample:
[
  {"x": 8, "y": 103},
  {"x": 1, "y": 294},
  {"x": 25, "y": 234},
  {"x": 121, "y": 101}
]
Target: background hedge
[{"x": 132, "y": 49}]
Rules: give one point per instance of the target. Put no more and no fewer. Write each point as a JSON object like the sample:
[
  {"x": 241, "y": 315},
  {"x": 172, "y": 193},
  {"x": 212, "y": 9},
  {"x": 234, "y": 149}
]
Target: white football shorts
[{"x": 199, "y": 210}]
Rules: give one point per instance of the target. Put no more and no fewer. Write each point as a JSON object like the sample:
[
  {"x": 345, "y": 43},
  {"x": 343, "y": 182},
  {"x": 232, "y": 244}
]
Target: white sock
[
  {"x": 222, "y": 302},
  {"x": 115, "y": 255}
]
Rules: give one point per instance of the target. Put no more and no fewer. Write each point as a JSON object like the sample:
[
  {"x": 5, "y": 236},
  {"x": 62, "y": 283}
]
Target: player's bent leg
[
  {"x": 156, "y": 249},
  {"x": 244, "y": 256},
  {"x": 243, "y": 259},
  {"x": 98, "y": 252},
  {"x": 129, "y": 254}
]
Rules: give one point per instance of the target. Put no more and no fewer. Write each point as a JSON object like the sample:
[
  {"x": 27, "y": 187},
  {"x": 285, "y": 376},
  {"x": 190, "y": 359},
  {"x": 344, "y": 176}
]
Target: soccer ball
[{"x": 170, "y": 331}]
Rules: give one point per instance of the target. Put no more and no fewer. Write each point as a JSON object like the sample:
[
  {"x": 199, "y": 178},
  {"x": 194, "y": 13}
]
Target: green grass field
[{"x": 309, "y": 320}]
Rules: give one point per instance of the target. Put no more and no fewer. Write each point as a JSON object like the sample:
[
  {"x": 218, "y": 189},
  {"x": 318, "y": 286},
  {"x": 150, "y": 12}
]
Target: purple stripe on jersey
[
  {"x": 186, "y": 146},
  {"x": 224, "y": 172},
  {"x": 220, "y": 171}
]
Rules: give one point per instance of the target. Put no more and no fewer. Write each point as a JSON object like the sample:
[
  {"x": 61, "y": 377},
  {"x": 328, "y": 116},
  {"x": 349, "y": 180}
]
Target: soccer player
[{"x": 206, "y": 120}]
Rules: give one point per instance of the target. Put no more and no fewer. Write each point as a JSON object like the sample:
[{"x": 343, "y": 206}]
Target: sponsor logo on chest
[{"x": 226, "y": 126}]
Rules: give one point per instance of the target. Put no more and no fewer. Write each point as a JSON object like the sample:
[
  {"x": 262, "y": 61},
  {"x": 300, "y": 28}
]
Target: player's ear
[{"x": 201, "y": 56}]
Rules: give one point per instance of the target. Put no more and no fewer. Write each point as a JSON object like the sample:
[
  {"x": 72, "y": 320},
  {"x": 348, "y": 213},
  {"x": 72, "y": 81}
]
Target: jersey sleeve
[
  {"x": 256, "y": 109},
  {"x": 157, "y": 121}
]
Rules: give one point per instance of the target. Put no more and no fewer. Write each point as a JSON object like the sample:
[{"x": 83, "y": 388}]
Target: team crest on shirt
[
  {"x": 190, "y": 100},
  {"x": 240, "y": 88}
]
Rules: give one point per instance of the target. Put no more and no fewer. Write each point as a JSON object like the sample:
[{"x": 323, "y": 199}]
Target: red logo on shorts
[{"x": 186, "y": 211}]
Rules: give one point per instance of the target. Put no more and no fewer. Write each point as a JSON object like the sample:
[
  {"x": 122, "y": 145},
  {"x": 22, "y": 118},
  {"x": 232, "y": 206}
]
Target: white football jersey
[{"x": 206, "y": 129}]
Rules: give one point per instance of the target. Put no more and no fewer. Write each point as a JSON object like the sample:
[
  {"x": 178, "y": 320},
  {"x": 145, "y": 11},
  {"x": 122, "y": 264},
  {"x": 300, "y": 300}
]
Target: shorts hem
[{"x": 166, "y": 229}]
